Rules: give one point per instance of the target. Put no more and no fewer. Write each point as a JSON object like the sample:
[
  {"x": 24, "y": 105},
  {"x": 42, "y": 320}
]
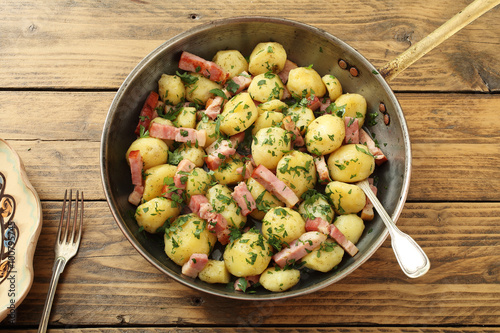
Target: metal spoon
[{"x": 410, "y": 256}]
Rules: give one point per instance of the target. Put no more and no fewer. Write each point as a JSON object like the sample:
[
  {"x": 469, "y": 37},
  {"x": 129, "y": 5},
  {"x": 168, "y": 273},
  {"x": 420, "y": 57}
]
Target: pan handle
[{"x": 416, "y": 51}]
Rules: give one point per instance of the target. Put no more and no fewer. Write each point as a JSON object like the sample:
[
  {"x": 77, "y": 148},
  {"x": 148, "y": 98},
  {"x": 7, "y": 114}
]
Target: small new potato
[
  {"x": 232, "y": 61},
  {"x": 152, "y": 214},
  {"x": 199, "y": 91},
  {"x": 264, "y": 199},
  {"x": 323, "y": 259},
  {"x": 272, "y": 105},
  {"x": 267, "y": 119},
  {"x": 155, "y": 180},
  {"x": 248, "y": 255},
  {"x": 192, "y": 153},
  {"x": 222, "y": 202},
  {"x": 269, "y": 146},
  {"x": 186, "y": 117},
  {"x": 304, "y": 82},
  {"x": 351, "y": 225},
  {"x": 226, "y": 173},
  {"x": 239, "y": 113},
  {"x": 215, "y": 271},
  {"x": 301, "y": 116},
  {"x": 187, "y": 235},
  {"x": 346, "y": 198},
  {"x": 210, "y": 127},
  {"x": 267, "y": 57},
  {"x": 277, "y": 280},
  {"x": 153, "y": 151},
  {"x": 171, "y": 89},
  {"x": 198, "y": 182},
  {"x": 351, "y": 163},
  {"x": 298, "y": 171},
  {"x": 333, "y": 86},
  {"x": 316, "y": 206},
  {"x": 355, "y": 106},
  {"x": 325, "y": 134},
  {"x": 266, "y": 87},
  {"x": 282, "y": 225}
]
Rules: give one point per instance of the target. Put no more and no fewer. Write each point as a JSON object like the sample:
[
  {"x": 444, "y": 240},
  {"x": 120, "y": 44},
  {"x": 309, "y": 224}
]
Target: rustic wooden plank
[
  {"x": 108, "y": 283},
  {"x": 95, "y": 45}
]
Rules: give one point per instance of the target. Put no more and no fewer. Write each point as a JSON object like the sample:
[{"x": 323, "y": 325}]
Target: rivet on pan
[
  {"x": 381, "y": 107},
  {"x": 387, "y": 119},
  {"x": 342, "y": 64},
  {"x": 353, "y": 71}
]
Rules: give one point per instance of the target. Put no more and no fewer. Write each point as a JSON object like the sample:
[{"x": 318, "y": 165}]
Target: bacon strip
[
  {"x": 289, "y": 125},
  {"x": 313, "y": 103},
  {"x": 136, "y": 166},
  {"x": 218, "y": 151},
  {"x": 248, "y": 280},
  {"x": 200, "y": 205},
  {"x": 322, "y": 169},
  {"x": 339, "y": 237},
  {"x": 271, "y": 183},
  {"x": 242, "y": 80},
  {"x": 209, "y": 69},
  {"x": 183, "y": 168},
  {"x": 195, "y": 264},
  {"x": 247, "y": 169},
  {"x": 135, "y": 197},
  {"x": 318, "y": 224},
  {"x": 213, "y": 107},
  {"x": 306, "y": 243},
  {"x": 148, "y": 112},
  {"x": 289, "y": 65},
  {"x": 365, "y": 138},
  {"x": 244, "y": 198},
  {"x": 179, "y": 134},
  {"x": 351, "y": 130}
]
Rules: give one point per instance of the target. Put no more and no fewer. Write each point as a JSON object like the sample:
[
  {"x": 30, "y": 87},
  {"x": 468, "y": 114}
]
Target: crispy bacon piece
[
  {"x": 246, "y": 282},
  {"x": 241, "y": 80},
  {"x": 136, "y": 166},
  {"x": 339, "y": 237},
  {"x": 306, "y": 243},
  {"x": 318, "y": 224},
  {"x": 209, "y": 69},
  {"x": 313, "y": 103},
  {"x": 351, "y": 130},
  {"x": 247, "y": 169},
  {"x": 179, "y": 134},
  {"x": 365, "y": 138},
  {"x": 322, "y": 169},
  {"x": 213, "y": 107},
  {"x": 289, "y": 65},
  {"x": 183, "y": 168},
  {"x": 200, "y": 205},
  {"x": 195, "y": 264},
  {"x": 289, "y": 125},
  {"x": 218, "y": 151},
  {"x": 135, "y": 197},
  {"x": 271, "y": 183},
  {"x": 148, "y": 112},
  {"x": 244, "y": 198}
]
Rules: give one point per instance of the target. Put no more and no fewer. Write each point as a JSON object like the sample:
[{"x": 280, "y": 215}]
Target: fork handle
[{"x": 59, "y": 265}]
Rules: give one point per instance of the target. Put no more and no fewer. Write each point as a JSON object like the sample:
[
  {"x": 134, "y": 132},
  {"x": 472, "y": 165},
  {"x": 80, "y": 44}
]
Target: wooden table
[{"x": 63, "y": 61}]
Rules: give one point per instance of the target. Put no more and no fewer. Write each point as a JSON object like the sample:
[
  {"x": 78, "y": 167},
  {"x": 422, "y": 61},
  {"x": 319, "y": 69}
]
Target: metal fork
[{"x": 65, "y": 248}]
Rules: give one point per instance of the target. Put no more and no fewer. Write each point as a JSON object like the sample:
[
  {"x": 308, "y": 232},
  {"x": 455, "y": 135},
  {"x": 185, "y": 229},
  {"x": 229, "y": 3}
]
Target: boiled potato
[
  {"x": 187, "y": 235},
  {"x": 171, "y": 89},
  {"x": 355, "y": 106},
  {"x": 232, "y": 61},
  {"x": 153, "y": 151},
  {"x": 199, "y": 91},
  {"x": 248, "y": 255},
  {"x": 351, "y": 225},
  {"x": 277, "y": 279},
  {"x": 328, "y": 255},
  {"x": 304, "y": 82},
  {"x": 281, "y": 226},
  {"x": 266, "y": 87},
  {"x": 269, "y": 146},
  {"x": 152, "y": 214},
  {"x": 316, "y": 206},
  {"x": 226, "y": 173},
  {"x": 351, "y": 163},
  {"x": 325, "y": 134},
  {"x": 198, "y": 182},
  {"x": 267, "y": 57},
  {"x": 238, "y": 114},
  {"x": 186, "y": 117},
  {"x": 264, "y": 199},
  {"x": 155, "y": 180},
  {"x": 301, "y": 116},
  {"x": 222, "y": 202},
  {"x": 272, "y": 105},
  {"x": 267, "y": 119},
  {"x": 333, "y": 86},
  {"x": 346, "y": 198},
  {"x": 192, "y": 153},
  {"x": 210, "y": 127},
  {"x": 215, "y": 271},
  {"x": 298, "y": 171}
]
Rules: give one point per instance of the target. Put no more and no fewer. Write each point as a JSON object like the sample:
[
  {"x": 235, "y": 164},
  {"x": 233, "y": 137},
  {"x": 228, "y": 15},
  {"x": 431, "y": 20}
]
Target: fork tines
[{"x": 77, "y": 218}]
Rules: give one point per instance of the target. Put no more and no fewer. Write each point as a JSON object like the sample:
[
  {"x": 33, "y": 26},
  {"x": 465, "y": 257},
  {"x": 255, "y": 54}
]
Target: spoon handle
[{"x": 410, "y": 256}]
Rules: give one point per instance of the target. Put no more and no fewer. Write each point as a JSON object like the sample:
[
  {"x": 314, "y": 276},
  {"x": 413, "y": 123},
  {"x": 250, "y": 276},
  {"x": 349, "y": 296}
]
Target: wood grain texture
[
  {"x": 89, "y": 44},
  {"x": 462, "y": 242}
]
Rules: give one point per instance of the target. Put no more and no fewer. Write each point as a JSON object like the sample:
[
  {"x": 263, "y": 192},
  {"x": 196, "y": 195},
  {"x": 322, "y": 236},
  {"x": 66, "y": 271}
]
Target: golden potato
[
  {"x": 272, "y": 105},
  {"x": 355, "y": 106},
  {"x": 316, "y": 206},
  {"x": 238, "y": 114},
  {"x": 269, "y": 146},
  {"x": 248, "y": 255},
  {"x": 198, "y": 182},
  {"x": 277, "y": 279},
  {"x": 187, "y": 235},
  {"x": 282, "y": 225},
  {"x": 215, "y": 271},
  {"x": 267, "y": 119},
  {"x": 301, "y": 116},
  {"x": 328, "y": 255},
  {"x": 232, "y": 61},
  {"x": 266, "y": 87},
  {"x": 171, "y": 89},
  {"x": 226, "y": 173},
  {"x": 346, "y": 198},
  {"x": 351, "y": 163},
  {"x": 267, "y": 57},
  {"x": 210, "y": 127},
  {"x": 186, "y": 117},
  {"x": 152, "y": 214},
  {"x": 222, "y": 202},
  {"x": 325, "y": 134},
  {"x": 304, "y": 82},
  {"x": 264, "y": 199},
  {"x": 192, "y": 153},
  {"x": 351, "y": 225},
  {"x": 153, "y": 151},
  {"x": 298, "y": 171},
  {"x": 199, "y": 90},
  {"x": 333, "y": 86},
  {"x": 155, "y": 180}
]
